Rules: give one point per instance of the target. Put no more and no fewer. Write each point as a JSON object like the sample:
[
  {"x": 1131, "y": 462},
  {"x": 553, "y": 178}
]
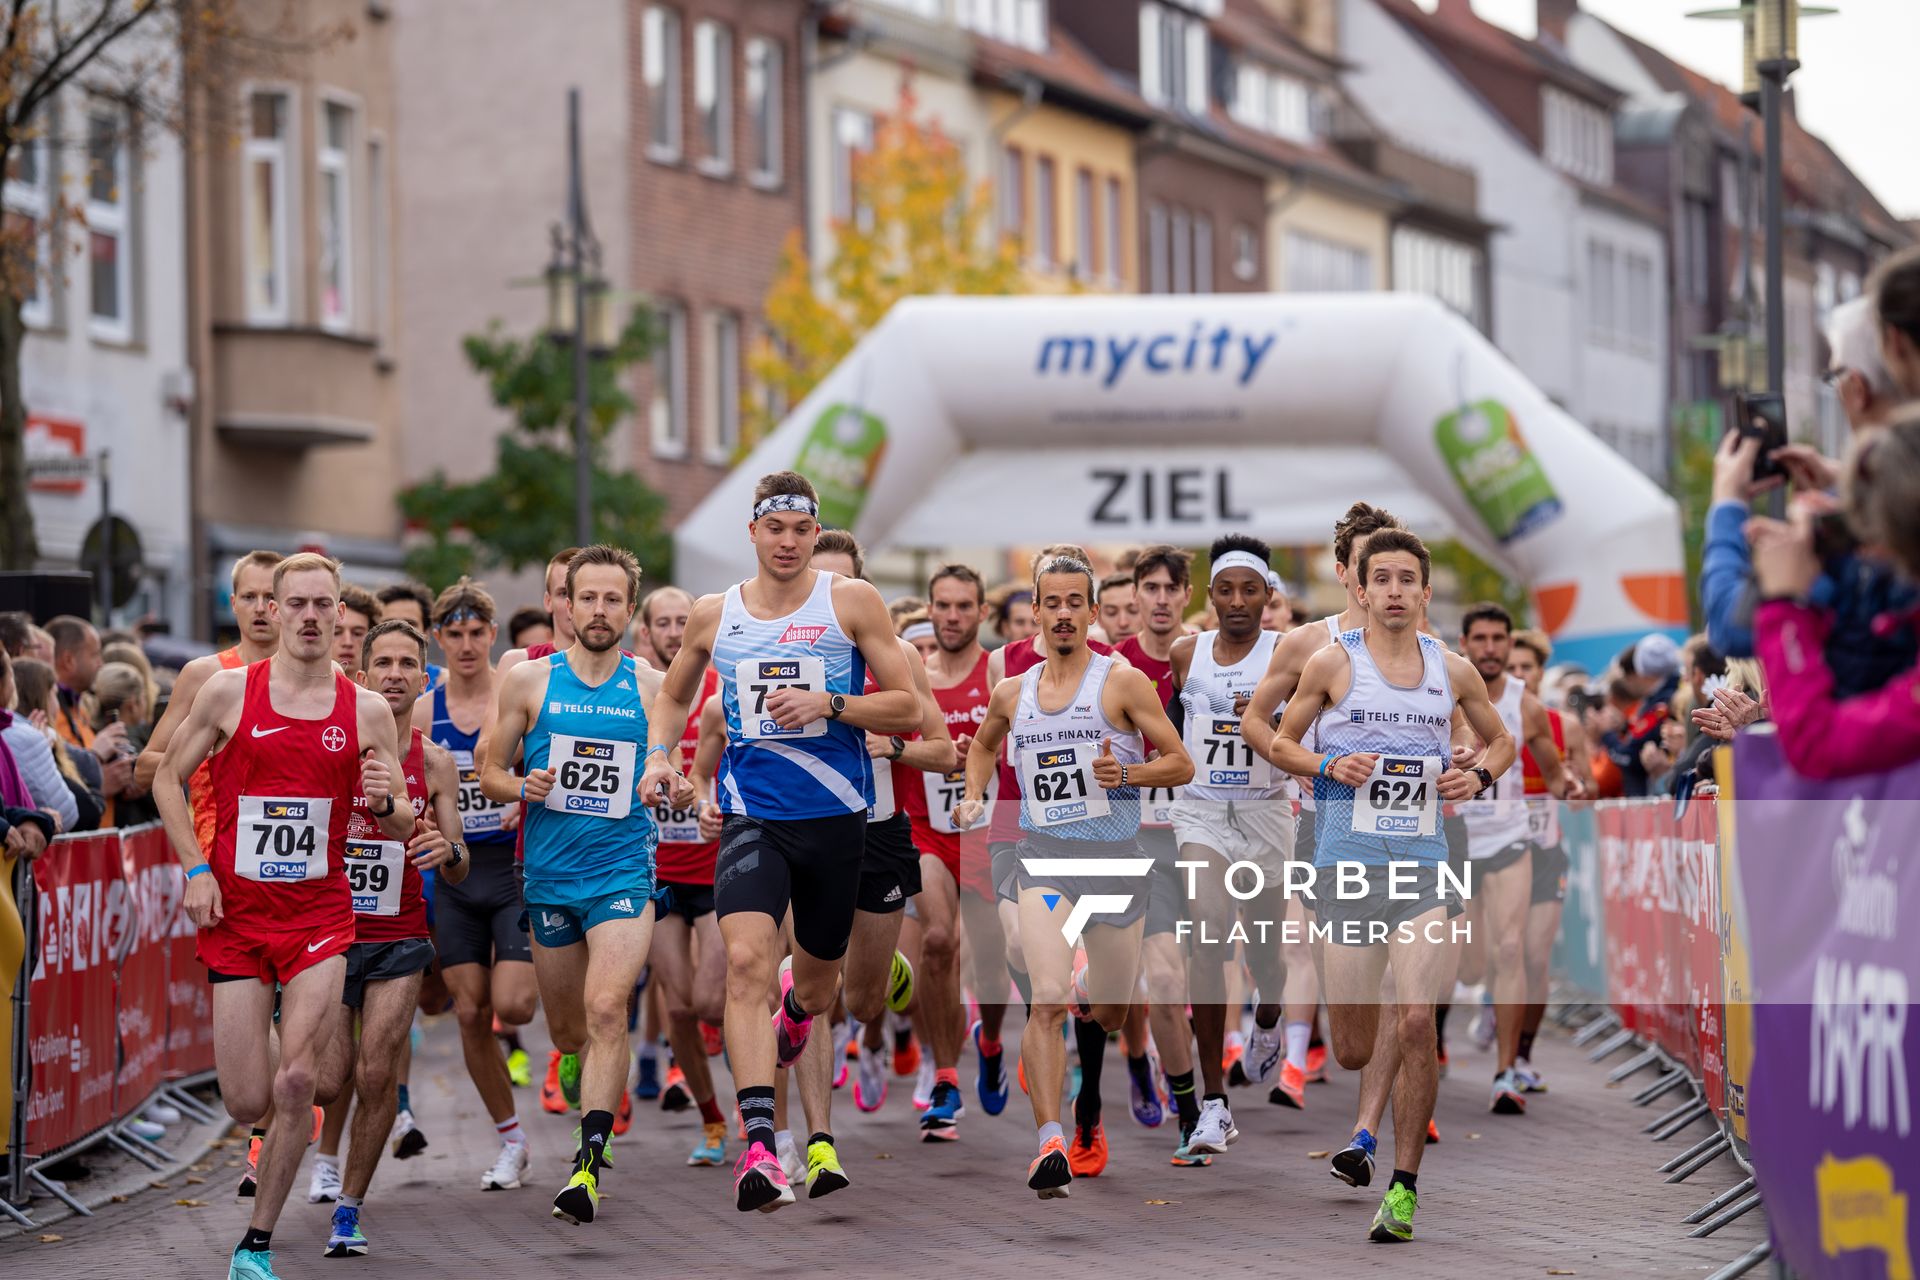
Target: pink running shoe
[{"x": 759, "y": 1182}]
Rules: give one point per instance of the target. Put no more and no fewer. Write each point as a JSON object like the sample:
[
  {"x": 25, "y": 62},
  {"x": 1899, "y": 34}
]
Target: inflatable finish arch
[{"x": 1023, "y": 421}]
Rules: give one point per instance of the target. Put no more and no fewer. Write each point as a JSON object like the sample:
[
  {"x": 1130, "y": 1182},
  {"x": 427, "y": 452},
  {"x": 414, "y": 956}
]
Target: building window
[
  {"x": 852, "y": 138},
  {"x": 1013, "y": 193},
  {"x": 1046, "y": 240},
  {"x": 1315, "y": 265},
  {"x": 1158, "y": 280},
  {"x": 1697, "y": 244},
  {"x": 336, "y": 215},
  {"x": 28, "y": 207},
  {"x": 109, "y": 256},
  {"x": 1021, "y": 22},
  {"x": 1174, "y": 57},
  {"x": 1115, "y": 239},
  {"x": 1180, "y": 247},
  {"x": 721, "y": 391},
  {"x": 1246, "y": 253},
  {"x": 713, "y": 94},
  {"x": 269, "y": 125},
  {"x": 1086, "y": 235},
  {"x": 1642, "y": 318},
  {"x": 1579, "y": 137},
  {"x": 660, "y": 71},
  {"x": 669, "y": 408},
  {"x": 380, "y": 242},
  {"x": 1601, "y": 315},
  {"x": 1440, "y": 268},
  {"x": 1202, "y": 253},
  {"x": 765, "y": 77},
  {"x": 1272, "y": 102}
]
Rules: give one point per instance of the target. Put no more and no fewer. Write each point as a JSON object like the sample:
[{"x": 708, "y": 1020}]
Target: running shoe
[
  {"x": 1265, "y": 1048},
  {"x": 759, "y": 1182},
  {"x": 675, "y": 1096},
  {"x": 792, "y": 1163},
  {"x": 408, "y": 1141},
  {"x": 1484, "y": 1029},
  {"x": 1233, "y": 1061},
  {"x": 1051, "y": 1172},
  {"x": 870, "y": 1082},
  {"x": 1214, "y": 1131},
  {"x": 711, "y": 1040},
  {"x": 1292, "y": 1089},
  {"x": 824, "y": 1174},
  {"x": 1088, "y": 1156},
  {"x": 1508, "y": 1097},
  {"x": 1316, "y": 1064},
  {"x": 579, "y": 1199},
  {"x": 552, "y": 1099},
  {"x": 647, "y": 1087},
  {"x": 508, "y": 1168},
  {"x": 1145, "y": 1098},
  {"x": 941, "y": 1123},
  {"x": 319, "y": 1123},
  {"x": 251, "y": 1264},
  {"x": 900, "y": 984},
  {"x": 1393, "y": 1221},
  {"x": 324, "y": 1186},
  {"x": 923, "y": 1084},
  {"x": 906, "y": 1051},
  {"x": 1353, "y": 1164},
  {"x": 347, "y": 1239},
  {"x": 1020, "y": 1069},
  {"x": 250, "y": 1180},
  {"x": 1433, "y": 1131},
  {"x": 623, "y": 1117},
  {"x": 570, "y": 1080},
  {"x": 1185, "y": 1157},
  {"x": 1440, "y": 1061},
  {"x": 992, "y": 1083},
  {"x": 842, "y": 1037},
  {"x": 1530, "y": 1080},
  {"x": 712, "y": 1150},
  {"x": 519, "y": 1069},
  {"x": 789, "y": 1037}
]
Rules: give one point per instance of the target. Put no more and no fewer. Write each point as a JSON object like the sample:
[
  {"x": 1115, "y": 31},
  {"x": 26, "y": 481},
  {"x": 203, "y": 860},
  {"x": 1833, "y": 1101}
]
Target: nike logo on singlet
[{"x": 258, "y": 732}]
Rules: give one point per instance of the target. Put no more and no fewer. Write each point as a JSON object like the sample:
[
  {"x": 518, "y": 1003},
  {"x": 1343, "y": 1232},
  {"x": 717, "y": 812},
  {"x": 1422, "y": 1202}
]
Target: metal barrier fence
[{"x": 110, "y": 1008}]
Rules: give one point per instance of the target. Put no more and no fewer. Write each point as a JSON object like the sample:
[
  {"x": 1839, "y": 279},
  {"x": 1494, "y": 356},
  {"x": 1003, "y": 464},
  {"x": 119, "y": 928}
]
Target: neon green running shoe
[
  {"x": 519, "y": 1070},
  {"x": 1393, "y": 1223},
  {"x": 570, "y": 1079},
  {"x": 579, "y": 1199},
  {"x": 824, "y": 1174},
  {"x": 900, "y": 984}
]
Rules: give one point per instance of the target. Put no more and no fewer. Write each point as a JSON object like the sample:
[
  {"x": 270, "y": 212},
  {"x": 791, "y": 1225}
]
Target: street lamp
[{"x": 579, "y": 315}]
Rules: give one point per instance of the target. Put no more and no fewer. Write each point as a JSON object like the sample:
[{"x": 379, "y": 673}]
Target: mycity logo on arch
[
  {"x": 1199, "y": 350},
  {"x": 1088, "y": 905}
]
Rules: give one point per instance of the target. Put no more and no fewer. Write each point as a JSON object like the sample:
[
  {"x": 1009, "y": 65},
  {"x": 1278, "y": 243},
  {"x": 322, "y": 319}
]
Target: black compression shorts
[
  {"x": 811, "y": 864},
  {"x": 482, "y": 920}
]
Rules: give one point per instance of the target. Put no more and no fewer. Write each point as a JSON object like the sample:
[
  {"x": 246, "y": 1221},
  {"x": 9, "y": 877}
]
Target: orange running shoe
[
  {"x": 1023, "y": 1075},
  {"x": 711, "y": 1040},
  {"x": 319, "y": 1120},
  {"x": 551, "y": 1099},
  {"x": 1088, "y": 1155},
  {"x": 906, "y": 1055},
  {"x": 1316, "y": 1064},
  {"x": 675, "y": 1096},
  {"x": 1433, "y": 1132},
  {"x": 1051, "y": 1172},
  {"x": 1231, "y": 1059},
  {"x": 1292, "y": 1089},
  {"x": 623, "y": 1118}
]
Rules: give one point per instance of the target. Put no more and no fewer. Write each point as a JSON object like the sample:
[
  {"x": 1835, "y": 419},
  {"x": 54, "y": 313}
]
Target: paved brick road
[{"x": 1569, "y": 1188}]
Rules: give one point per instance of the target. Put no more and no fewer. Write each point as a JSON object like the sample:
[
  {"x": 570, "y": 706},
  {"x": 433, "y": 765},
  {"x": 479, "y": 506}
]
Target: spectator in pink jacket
[{"x": 1822, "y": 736}]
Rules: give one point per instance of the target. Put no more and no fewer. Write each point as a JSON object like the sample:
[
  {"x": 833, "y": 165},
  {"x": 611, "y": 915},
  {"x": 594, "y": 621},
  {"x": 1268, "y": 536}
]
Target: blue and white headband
[{"x": 786, "y": 502}]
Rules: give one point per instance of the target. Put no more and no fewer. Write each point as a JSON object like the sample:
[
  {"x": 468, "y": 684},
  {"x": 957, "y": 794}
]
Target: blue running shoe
[
  {"x": 1146, "y": 1098},
  {"x": 347, "y": 1240},
  {"x": 992, "y": 1084},
  {"x": 1353, "y": 1164},
  {"x": 940, "y": 1122},
  {"x": 647, "y": 1088},
  {"x": 252, "y": 1264}
]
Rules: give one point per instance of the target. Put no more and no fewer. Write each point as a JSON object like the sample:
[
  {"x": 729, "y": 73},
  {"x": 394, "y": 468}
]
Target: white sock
[
  {"x": 321, "y": 1157},
  {"x": 510, "y": 1130},
  {"x": 1049, "y": 1131},
  {"x": 1298, "y": 1034},
  {"x": 1235, "y": 1040},
  {"x": 783, "y": 1138}
]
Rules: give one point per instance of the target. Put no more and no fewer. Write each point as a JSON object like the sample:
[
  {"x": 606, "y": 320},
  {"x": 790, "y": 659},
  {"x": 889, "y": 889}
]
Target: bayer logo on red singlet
[{"x": 333, "y": 738}]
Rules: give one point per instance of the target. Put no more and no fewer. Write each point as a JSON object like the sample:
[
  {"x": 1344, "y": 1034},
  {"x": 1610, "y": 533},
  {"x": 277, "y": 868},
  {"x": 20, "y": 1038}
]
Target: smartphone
[{"x": 1762, "y": 415}]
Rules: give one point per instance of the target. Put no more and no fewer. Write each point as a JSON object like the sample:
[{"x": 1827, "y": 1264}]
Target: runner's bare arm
[
  {"x": 1578, "y": 759},
  {"x": 192, "y": 678},
  {"x": 1539, "y": 731},
  {"x": 933, "y": 751},
  {"x": 1470, "y": 691},
  {"x": 997, "y": 665},
  {"x": 513, "y": 717},
  {"x": 682, "y": 683},
  {"x": 1277, "y": 686},
  {"x": 713, "y": 742},
  {"x": 1326, "y": 672},
  {"x": 1139, "y": 709},
  {"x": 422, "y": 718},
  {"x": 213, "y": 716},
  {"x": 675, "y": 791},
  {"x": 380, "y": 773},
  {"x": 895, "y": 708},
  {"x": 983, "y": 757},
  {"x": 432, "y": 843},
  {"x": 1181, "y": 659},
  {"x": 509, "y": 660}
]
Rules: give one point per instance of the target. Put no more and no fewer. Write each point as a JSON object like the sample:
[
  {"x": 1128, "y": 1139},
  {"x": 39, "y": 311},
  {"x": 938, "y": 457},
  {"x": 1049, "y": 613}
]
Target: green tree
[{"x": 520, "y": 513}]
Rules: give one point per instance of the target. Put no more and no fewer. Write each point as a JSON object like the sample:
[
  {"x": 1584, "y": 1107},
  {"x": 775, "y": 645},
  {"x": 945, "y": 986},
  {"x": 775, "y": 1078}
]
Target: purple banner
[{"x": 1825, "y": 868}]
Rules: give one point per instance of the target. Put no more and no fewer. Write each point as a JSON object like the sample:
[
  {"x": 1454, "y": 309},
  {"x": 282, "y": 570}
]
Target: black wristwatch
[
  {"x": 383, "y": 813},
  {"x": 899, "y": 746},
  {"x": 836, "y": 703},
  {"x": 459, "y": 854},
  {"x": 1486, "y": 779}
]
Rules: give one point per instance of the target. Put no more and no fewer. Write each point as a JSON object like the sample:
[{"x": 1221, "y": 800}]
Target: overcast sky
[{"x": 1855, "y": 83}]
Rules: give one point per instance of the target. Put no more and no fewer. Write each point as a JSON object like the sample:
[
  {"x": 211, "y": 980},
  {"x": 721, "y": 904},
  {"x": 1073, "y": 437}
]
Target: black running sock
[
  {"x": 794, "y": 1011},
  {"x": 1092, "y": 1039},
  {"x": 1184, "y": 1100},
  {"x": 256, "y": 1240},
  {"x": 1440, "y": 1024},
  {"x": 1023, "y": 984},
  {"x": 1526, "y": 1045},
  {"x": 596, "y": 1129},
  {"x": 512, "y": 1040},
  {"x": 257, "y": 1132},
  {"x": 756, "y": 1108},
  {"x": 1141, "y": 1070},
  {"x": 821, "y": 1137},
  {"x": 1405, "y": 1179}
]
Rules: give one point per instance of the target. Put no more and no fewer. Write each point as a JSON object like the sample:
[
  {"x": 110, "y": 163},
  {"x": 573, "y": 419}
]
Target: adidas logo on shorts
[
  {"x": 623, "y": 905},
  {"x": 893, "y": 894}
]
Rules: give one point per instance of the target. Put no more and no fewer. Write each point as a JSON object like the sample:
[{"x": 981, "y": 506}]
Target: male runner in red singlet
[
  {"x": 392, "y": 947},
  {"x": 292, "y": 742}
]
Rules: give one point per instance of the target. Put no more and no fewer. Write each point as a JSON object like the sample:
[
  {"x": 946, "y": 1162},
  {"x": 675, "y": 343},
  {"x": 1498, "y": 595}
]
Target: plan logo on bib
[{"x": 1088, "y": 905}]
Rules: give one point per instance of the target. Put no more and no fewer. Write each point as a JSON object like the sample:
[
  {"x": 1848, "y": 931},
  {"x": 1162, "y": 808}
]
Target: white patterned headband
[
  {"x": 1240, "y": 560},
  {"x": 922, "y": 630},
  {"x": 785, "y": 502}
]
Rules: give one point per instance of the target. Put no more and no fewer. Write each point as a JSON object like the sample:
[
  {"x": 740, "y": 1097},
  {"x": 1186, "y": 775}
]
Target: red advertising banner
[
  {"x": 85, "y": 915},
  {"x": 153, "y": 876}
]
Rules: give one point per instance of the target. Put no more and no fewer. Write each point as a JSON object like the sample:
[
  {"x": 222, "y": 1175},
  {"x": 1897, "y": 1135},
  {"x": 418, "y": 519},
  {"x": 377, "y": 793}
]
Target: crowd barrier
[
  {"x": 1749, "y": 946},
  {"x": 111, "y": 1008}
]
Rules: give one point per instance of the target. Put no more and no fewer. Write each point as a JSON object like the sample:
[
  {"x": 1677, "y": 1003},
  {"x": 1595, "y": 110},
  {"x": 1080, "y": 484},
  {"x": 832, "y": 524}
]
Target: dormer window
[{"x": 1579, "y": 137}]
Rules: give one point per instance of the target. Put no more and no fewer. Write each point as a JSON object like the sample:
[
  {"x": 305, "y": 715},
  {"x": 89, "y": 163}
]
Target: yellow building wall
[
  {"x": 1328, "y": 217},
  {"x": 1074, "y": 143}
]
